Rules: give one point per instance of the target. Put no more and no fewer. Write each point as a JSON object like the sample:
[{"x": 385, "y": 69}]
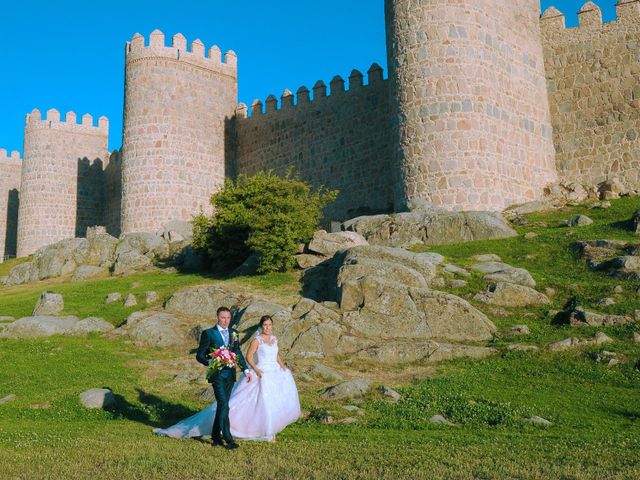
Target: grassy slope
[{"x": 595, "y": 409}]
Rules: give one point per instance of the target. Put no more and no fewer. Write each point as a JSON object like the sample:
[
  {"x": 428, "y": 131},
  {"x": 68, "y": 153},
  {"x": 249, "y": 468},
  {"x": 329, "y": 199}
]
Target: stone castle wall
[
  {"x": 10, "y": 168},
  {"x": 62, "y": 186},
  {"x": 113, "y": 193},
  {"x": 471, "y": 116},
  {"x": 340, "y": 140},
  {"x": 593, "y": 75},
  {"x": 178, "y": 104}
]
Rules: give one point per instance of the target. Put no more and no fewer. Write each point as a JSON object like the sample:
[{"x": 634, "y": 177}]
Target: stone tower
[
  {"x": 62, "y": 186},
  {"x": 10, "y": 167},
  {"x": 178, "y": 110},
  {"x": 471, "y": 114}
]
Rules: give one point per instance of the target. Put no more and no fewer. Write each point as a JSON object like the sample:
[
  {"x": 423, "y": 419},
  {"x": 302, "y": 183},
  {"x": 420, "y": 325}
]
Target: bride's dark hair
[{"x": 264, "y": 318}]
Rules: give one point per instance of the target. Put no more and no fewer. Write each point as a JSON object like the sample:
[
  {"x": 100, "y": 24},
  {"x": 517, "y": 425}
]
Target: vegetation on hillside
[{"x": 264, "y": 214}]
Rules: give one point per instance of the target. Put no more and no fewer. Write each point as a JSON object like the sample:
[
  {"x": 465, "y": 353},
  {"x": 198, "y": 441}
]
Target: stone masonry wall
[
  {"x": 471, "y": 116},
  {"x": 113, "y": 193},
  {"x": 339, "y": 140},
  {"x": 178, "y": 105},
  {"x": 593, "y": 76},
  {"x": 10, "y": 167},
  {"x": 62, "y": 190}
]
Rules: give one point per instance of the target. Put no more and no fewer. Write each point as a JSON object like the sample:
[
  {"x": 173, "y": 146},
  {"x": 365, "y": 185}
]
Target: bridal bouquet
[{"x": 220, "y": 358}]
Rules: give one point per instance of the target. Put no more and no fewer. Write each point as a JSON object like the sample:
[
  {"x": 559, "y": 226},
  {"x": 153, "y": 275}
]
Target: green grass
[
  {"x": 85, "y": 299},
  {"x": 595, "y": 409}
]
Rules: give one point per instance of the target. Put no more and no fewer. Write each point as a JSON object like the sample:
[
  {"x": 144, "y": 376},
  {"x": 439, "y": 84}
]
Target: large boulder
[
  {"x": 19, "y": 274},
  {"x": 430, "y": 227},
  {"x": 392, "y": 310},
  {"x": 130, "y": 261},
  {"x": 84, "y": 272},
  {"x": 97, "y": 398},
  {"x": 347, "y": 390},
  {"x": 160, "y": 329},
  {"x": 39, "y": 326},
  {"x": 145, "y": 243},
  {"x": 511, "y": 295},
  {"x": 249, "y": 317},
  {"x": 91, "y": 325},
  {"x": 201, "y": 301},
  {"x": 327, "y": 244},
  {"x": 502, "y": 272},
  {"x": 49, "y": 303}
]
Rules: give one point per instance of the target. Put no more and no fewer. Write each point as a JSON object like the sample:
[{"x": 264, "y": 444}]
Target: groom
[{"x": 223, "y": 380}]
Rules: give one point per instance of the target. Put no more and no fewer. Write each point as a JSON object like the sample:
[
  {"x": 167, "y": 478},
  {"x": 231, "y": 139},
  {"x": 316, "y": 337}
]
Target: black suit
[{"x": 222, "y": 381}]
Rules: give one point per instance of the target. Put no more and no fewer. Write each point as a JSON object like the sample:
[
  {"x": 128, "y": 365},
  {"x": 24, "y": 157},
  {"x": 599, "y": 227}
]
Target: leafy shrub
[{"x": 262, "y": 214}]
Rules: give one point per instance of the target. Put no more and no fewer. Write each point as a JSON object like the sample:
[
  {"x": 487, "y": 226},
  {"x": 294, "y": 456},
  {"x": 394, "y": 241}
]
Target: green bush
[{"x": 262, "y": 214}]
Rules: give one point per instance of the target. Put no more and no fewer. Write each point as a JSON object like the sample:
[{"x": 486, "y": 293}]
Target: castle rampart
[
  {"x": 61, "y": 192},
  {"x": 593, "y": 77},
  {"x": 10, "y": 168},
  {"x": 470, "y": 105},
  {"x": 176, "y": 139},
  {"x": 340, "y": 140}
]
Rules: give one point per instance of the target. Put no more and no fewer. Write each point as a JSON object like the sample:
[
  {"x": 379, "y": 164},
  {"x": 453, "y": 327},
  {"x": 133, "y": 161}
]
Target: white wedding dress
[{"x": 257, "y": 409}]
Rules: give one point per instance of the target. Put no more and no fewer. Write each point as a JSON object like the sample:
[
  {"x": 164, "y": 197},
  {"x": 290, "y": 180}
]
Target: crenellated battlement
[
  {"x": 52, "y": 120},
  {"x": 196, "y": 54},
  {"x": 553, "y": 21},
  {"x": 337, "y": 92},
  {"x": 9, "y": 159}
]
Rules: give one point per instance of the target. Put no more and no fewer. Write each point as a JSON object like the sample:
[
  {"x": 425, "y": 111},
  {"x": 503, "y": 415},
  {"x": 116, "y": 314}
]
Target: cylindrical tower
[
  {"x": 10, "y": 168},
  {"x": 176, "y": 137},
  {"x": 471, "y": 113},
  {"x": 62, "y": 191}
]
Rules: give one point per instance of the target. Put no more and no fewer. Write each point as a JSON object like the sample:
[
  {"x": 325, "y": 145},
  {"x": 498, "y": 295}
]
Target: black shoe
[
  {"x": 217, "y": 443},
  {"x": 231, "y": 446}
]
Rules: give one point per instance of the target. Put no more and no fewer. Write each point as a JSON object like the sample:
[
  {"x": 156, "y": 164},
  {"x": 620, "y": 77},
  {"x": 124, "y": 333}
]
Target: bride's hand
[{"x": 258, "y": 372}]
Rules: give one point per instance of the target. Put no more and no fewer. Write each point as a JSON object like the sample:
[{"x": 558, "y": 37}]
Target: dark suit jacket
[{"x": 211, "y": 339}]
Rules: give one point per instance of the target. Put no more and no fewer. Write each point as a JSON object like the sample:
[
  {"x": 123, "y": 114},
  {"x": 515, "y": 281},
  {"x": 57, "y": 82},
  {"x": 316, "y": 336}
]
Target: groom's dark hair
[{"x": 222, "y": 309}]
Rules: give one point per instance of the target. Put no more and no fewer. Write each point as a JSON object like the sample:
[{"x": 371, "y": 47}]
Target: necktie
[{"x": 225, "y": 336}]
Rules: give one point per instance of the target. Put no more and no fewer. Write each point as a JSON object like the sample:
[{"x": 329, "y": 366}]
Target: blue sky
[{"x": 69, "y": 54}]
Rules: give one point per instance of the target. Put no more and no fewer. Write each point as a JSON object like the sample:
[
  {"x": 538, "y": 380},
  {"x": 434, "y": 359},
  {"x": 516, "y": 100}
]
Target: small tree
[{"x": 263, "y": 214}]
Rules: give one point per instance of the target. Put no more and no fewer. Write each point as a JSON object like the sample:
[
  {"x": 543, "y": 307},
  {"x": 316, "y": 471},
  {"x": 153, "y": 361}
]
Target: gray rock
[
  {"x": 113, "y": 297},
  {"x": 550, "y": 292},
  {"x": 457, "y": 270},
  {"x": 530, "y": 235},
  {"x": 606, "y": 301},
  {"x": 49, "y": 303},
  {"x": 84, "y": 272},
  {"x": 306, "y": 260},
  {"x": 390, "y": 393},
  {"x": 440, "y": 420},
  {"x": 247, "y": 268},
  {"x": 320, "y": 370},
  {"x": 207, "y": 396},
  {"x": 130, "y": 300},
  {"x": 144, "y": 243},
  {"x": 426, "y": 313},
  {"x": 448, "y": 351},
  {"x": 250, "y": 315},
  {"x": 535, "y": 420},
  {"x": 521, "y": 347},
  {"x": 585, "y": 318},
  {"x": 190, "y": 259},
  {"x": 91, "y": 325},
  {"x": 177, "y": 232},
  {"x": 353, "y": 409},
  {"x": 328, "y": 244},
  {"x": 430, "y": 227},
  {"x": 348, "y": 421},
  {"x": 618, "y": 289},
  {"x": 97, "y": 398},
  {"x": 519, "y": 330},
  {"x": 635, "y": 220},
  {"x": 304, "y": 377},
  {"x": 511, "y": 295},
  {"x": 39, "y": 326},
  {"x": 347, "y": 390},
  {"x": 19, "y": 274},
  {"x": 579, "y": 221},
  {"x": 636, "y": 337},
  {"x": 487, "y": 257},
  {"x": 150, "y": 297},
  {"x": 6, "y": 318},
  {"x": 455, "y": 283},
  {"x": 7, "y": 399},
  {"x": 160, "y": 329},
  {"x": 202, "y": 301},
  {"x": 599, "y": 339},
  {"x": 502, "y": 272},
  {"x": 129, "y": 261},
  {"x": 627, "y": 262}
]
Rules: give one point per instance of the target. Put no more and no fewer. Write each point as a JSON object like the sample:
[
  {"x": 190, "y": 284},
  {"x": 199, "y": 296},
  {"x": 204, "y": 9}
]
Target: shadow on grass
[{"x": 152, "y": 410}]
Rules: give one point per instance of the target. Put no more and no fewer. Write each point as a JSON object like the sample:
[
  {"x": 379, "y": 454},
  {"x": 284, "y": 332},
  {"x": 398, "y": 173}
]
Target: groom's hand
[{"x": 248, "y": 375}]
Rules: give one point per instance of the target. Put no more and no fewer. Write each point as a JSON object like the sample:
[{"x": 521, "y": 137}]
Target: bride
[{"x": 259, "y": 409}]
